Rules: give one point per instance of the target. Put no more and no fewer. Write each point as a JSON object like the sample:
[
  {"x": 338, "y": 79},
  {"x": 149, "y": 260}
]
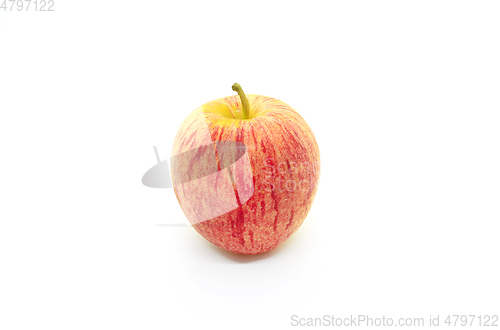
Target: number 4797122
[{"x": 27, "y": 5}]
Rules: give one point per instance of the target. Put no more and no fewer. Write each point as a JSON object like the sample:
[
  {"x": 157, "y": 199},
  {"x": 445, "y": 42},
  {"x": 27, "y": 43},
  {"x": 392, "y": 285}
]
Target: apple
[{"x": 245, "y": 170}]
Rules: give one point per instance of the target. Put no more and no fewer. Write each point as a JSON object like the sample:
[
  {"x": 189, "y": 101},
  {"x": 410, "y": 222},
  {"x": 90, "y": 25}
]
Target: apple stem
[{"x": 244, "y": 101}]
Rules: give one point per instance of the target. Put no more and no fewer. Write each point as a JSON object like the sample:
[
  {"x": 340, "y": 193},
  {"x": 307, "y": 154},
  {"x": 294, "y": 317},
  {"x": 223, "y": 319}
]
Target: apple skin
[{"x": 246, "y": 201}]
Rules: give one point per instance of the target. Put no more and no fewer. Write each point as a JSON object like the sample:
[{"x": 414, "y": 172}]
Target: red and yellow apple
[{"x": 245, "y": 170}]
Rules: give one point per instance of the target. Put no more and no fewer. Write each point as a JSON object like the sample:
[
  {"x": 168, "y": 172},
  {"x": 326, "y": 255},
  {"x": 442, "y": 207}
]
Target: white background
[{"x": 403, "y": 98}]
